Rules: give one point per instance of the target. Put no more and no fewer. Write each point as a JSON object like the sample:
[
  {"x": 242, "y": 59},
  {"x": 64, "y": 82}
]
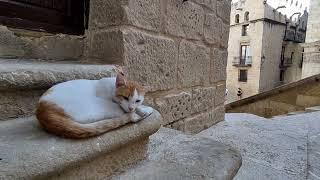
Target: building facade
[
  {"x": 264, "y": 50},
  {"x": 311, "y": 63}
]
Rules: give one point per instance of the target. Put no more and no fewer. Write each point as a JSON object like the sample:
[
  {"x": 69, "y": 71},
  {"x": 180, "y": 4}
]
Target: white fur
[{"x": 88, "y": 101}]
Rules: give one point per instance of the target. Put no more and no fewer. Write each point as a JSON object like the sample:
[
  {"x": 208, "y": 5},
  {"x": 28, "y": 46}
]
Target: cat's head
[{"x": 130, "y": 94}]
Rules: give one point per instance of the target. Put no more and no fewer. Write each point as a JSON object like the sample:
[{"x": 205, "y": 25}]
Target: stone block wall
[
  {"x": 178, "y": 49},
  {"x": 24, "y": 44}
]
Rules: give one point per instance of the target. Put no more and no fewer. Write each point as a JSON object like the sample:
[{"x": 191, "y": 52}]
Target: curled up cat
[{"x": 86, "y": 108}]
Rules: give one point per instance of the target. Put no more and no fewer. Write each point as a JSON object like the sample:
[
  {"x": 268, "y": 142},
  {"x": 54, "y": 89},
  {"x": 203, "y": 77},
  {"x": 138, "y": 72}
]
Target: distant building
[
  {"x": 264, "y": 50},
  {"x": 311, "y": 63}
]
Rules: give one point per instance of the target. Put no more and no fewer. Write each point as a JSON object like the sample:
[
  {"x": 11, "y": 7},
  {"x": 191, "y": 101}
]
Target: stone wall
[
  {"x": 177, "y": 48},
  {"x": 24, "y": 44}
]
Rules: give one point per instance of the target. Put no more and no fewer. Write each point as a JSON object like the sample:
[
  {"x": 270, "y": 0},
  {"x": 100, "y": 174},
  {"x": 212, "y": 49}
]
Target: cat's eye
[
  {"x": 126, "y": 98},
  {"x": 137, "y": 101}
]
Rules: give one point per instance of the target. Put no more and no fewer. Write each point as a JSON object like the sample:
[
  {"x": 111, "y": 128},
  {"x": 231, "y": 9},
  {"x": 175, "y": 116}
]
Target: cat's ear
[{"x": 120, "y": 80}]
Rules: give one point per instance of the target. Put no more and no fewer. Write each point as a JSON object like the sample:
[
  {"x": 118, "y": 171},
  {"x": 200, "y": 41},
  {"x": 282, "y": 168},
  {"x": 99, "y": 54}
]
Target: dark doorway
[{"x": 54, "y": 16}]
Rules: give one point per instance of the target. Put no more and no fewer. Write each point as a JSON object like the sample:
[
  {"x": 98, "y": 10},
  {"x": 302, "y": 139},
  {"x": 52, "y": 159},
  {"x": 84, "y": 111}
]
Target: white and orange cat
[{"x": 86, "y": 108}]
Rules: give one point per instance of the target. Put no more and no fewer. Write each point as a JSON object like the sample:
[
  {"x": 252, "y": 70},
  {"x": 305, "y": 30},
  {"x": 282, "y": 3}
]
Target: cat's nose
[{"x": 130, "y": 109}]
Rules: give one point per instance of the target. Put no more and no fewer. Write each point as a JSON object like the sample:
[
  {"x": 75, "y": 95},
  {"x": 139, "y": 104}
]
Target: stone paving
[{"x": 279, "y": 148}]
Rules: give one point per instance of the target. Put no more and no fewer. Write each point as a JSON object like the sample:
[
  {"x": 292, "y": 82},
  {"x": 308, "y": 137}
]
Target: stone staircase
[
  {"x": 135, "y": 151},
  {"x": 289, "y": 99},
  {"x": 306, "y": 110}
]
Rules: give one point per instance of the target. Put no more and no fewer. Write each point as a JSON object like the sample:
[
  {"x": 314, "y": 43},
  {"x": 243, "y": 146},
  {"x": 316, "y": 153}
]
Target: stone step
[
  {"x": 296, "y": 112},
  {"x": 22, "y": 82},
  {"x": 313, "y": 109},
  {"x": 174, "y": 156},
  {"x": 28, "y": 152}
]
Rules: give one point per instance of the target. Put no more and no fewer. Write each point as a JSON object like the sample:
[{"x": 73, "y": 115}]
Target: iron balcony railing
[
  {"x": 242, "y": 61},
  {"x": 285, "y": 62}
]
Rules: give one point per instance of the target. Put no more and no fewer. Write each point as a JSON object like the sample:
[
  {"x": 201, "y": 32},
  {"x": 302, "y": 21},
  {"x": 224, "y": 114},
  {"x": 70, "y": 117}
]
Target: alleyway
[{"x": 280, "y": 148}]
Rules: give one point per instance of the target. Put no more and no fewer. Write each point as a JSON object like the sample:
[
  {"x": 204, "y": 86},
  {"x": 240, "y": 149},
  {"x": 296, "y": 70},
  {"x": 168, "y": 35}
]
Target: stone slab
[
  {"x": 281, "y": 148},
  {"x": 174, "y": 156},
  {"x": 27, "y": 152},
  {"x": 26, "y": 74},
  {"x": 28, "y": 44}
]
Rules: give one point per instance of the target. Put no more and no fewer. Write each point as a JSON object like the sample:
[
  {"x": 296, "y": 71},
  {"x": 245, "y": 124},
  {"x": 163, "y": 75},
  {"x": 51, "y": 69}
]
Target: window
[
  {"x": 237, "y": 18},
  {"x": 281, "y": 75},
  {"x": 292, "y": 54},
  {"x": 246, "y": 16},
  {"x": 301, "y": 62},
  {"x": 245, "y": 29},
  {"x": 243, "y": 75},
  {"x": 245, "y": 55}
]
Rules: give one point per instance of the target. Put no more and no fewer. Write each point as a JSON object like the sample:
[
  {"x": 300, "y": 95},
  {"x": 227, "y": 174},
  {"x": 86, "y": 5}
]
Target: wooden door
[{"x": 55, "y": 16}]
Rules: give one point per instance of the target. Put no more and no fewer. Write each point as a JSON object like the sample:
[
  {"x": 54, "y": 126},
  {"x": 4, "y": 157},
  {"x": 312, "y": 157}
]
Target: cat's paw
[
  {"x": 144, "y": 111},
  {"x": 135, "y": 117}
]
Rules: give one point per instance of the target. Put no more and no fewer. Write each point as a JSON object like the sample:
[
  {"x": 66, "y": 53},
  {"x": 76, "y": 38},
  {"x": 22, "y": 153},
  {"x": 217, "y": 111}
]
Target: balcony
[
  {"x": 242, "y": 61},
  {"x": 285, "y": 63}
]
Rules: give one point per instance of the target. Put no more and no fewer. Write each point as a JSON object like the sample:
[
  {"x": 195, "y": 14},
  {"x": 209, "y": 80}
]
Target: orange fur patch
[
  {"x": 54, "y": 120},
  {"x": 128, "y": 89}
]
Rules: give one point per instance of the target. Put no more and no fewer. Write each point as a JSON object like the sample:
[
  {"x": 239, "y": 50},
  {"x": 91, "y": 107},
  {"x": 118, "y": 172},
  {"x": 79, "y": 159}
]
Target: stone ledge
[
  {"x": 173, "y": 155},
  {"x": 27, "y": 152},
  {"x": 21, "y": 74}
]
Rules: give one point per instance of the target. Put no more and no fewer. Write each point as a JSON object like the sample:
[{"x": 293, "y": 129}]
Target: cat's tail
[{"x": 54, "y": 120}]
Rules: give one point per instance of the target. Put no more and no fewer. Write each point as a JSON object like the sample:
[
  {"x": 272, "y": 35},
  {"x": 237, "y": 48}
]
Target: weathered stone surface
[
  {"x": 202, "y": 98},
  {"x": 220, "y": 94},
  {"x": 105, "y": 165},
  {"x": 218, "y": 65},
  {"x": 174, "y": 106},
  {"x": 281, "y": 148},
  {"x": 48, "y": 47},
  {"x": 224, "y": 9},
  {"x": 151, "y": 60},
  {"x": 57, "y": 47},
  {"x": 140, "y": 13},
  {"x": 10, "y": 45},
  {"x": 193, "y": 65},
  {"x": 144, "y": 13},
  {"x": 14, "y": 104},
  {"x": 22, "y": 74},
  {"x": 107, "y": 46},
  {"x": 225, "y": 35},
  {"x": 197, "y": 123},
  {"x": 211, "y": 4},
  {"x": 148, "y": 101},
  {"x": 27, "y": 152},
  {"x": 106, "y": 12},
  {"x": 177, "y": 156},
  {"x": 212, "y": 29},
  {"x": 184, "y": 19}
]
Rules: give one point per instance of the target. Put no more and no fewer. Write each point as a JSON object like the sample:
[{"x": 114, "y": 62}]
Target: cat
[{"x": 87, "y": 108}]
